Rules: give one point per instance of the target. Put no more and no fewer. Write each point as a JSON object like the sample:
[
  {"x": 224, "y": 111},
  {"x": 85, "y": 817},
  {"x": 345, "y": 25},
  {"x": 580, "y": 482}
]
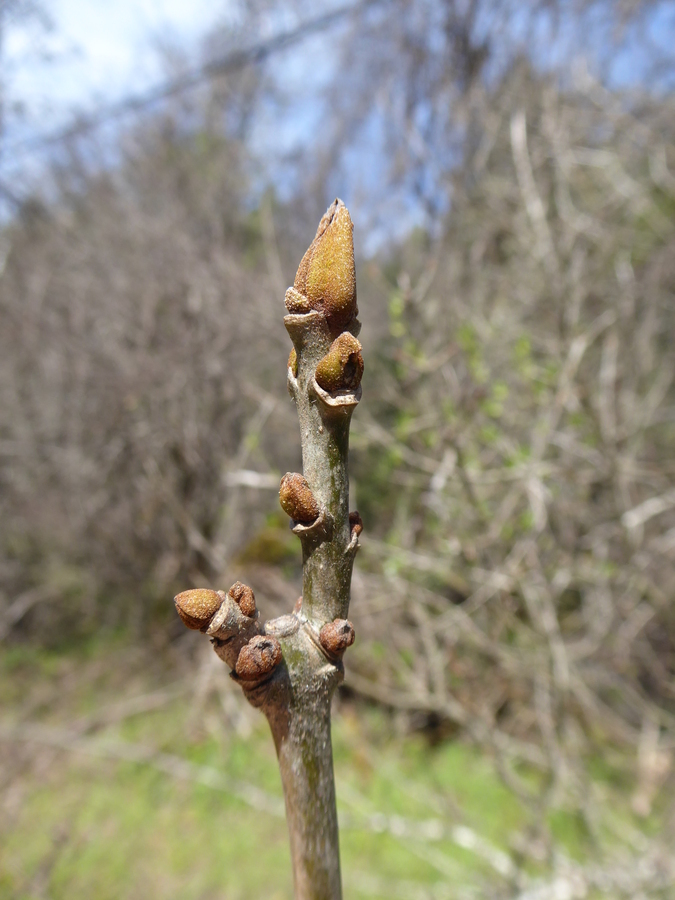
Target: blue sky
[
  {"x": 97, "y": 50},
  {"x": 100, "y": 50}
]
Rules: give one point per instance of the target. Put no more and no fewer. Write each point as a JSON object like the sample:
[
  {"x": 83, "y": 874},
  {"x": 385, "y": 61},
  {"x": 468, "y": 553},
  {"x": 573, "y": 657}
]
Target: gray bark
[{"x": 290, "y": 666}]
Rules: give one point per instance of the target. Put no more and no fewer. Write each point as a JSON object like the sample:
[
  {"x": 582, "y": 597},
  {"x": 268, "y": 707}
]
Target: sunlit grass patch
[{"x": 171, "y": 802}]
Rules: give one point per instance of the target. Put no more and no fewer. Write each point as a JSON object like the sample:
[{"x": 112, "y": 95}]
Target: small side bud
[
  {"x": 355, "y": 523},
  {"x": 197, "y": 608},
  {"x": 336, "y": 636},
  {"x": 326, "y": 275},
  {"x": 297, "y": 499},
  {"x": 296, "y": 302},
  {"x": 341, "y": 369},
  {"x": 258, "y": 658},
  {"x": 293, "y": 362},
  {"x": 297, "y": 609},
  {"x": 244, "y": 597}
]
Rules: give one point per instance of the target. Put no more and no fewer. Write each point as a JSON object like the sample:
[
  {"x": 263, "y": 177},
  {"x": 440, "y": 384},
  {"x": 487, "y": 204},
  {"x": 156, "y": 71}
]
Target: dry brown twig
[{"x": 290, "y": 666}]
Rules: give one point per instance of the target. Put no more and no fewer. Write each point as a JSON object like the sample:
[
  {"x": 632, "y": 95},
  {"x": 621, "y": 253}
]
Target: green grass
[{"x": 81, "y": 822}]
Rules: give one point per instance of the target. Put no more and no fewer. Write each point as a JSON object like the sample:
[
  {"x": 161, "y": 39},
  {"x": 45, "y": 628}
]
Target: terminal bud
[{"x": 326, "y": 275}]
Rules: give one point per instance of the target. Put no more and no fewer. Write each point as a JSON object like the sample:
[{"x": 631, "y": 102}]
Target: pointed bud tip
[{"x": 326, "y": 275}]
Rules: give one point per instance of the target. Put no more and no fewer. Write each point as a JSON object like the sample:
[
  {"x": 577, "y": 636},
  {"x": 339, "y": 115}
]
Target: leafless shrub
[
  {"x": 527, "y": 422},
  {"x": 133, "y": 312},
  {"x": 514, "y": 466}
]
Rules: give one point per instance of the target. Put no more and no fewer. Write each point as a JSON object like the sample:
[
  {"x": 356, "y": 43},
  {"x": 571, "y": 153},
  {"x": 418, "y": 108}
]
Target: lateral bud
[
  {"x": 297, "y": 500},
  {"x": 197, "y": 608},
  {"x": 326, "y": 276},
  {"x": 296, "y": 302},
  {"x": 336, "y": 636},
  {"x": 341, "y": 369},
  {"x": 258, "y": 658},
  {"x": 244, "y": 597},
  {"x": 293, "y": 362}
]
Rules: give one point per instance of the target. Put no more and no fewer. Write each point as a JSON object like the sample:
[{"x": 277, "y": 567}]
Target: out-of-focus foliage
[
  {"x": 146, "y": 779},
  {"x": 137, "y": 317},
  {"x": 518, "y": 456},
  {"x": 513, "y": 457},
  {"x": 407, "y": 104}
]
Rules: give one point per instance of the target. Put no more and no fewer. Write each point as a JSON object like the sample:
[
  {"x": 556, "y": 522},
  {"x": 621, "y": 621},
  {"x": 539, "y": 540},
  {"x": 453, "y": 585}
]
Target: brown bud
[
  {"x": 336, "y": 636},
  {"x": 296, "y": 303},
  {"x": 259, "y": 657},
  {"x": 355, "y": 523},
  {"x": 297, "y": 499},
  {"x": 326, "y": 275},
  {"x": 244, "y": 597},
  {"x": 298, "y": 606},
  {"x": 341, "y": 369},
  {"x": 197, "y": 608},
  {"x": 293, "y": 363}
]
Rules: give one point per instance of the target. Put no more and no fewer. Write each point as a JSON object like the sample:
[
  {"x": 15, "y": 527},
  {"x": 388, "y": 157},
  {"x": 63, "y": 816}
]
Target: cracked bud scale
[
  {"x": 258, "y": 658},
  {"x": 297, "y": 499},
  {"x": 336, "y": 636},
  {"x": 341, "y": 369},
  {"x": 244, "y": 597},
  {"x": 326, "y": 277},
  {"x": 197, "y": 608}
]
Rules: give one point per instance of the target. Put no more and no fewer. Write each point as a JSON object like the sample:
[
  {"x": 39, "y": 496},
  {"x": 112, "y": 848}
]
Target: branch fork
[{"x": 290, "y": 666}]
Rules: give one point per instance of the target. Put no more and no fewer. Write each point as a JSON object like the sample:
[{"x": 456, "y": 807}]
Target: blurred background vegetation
[{"x": 507, "y": 727}]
